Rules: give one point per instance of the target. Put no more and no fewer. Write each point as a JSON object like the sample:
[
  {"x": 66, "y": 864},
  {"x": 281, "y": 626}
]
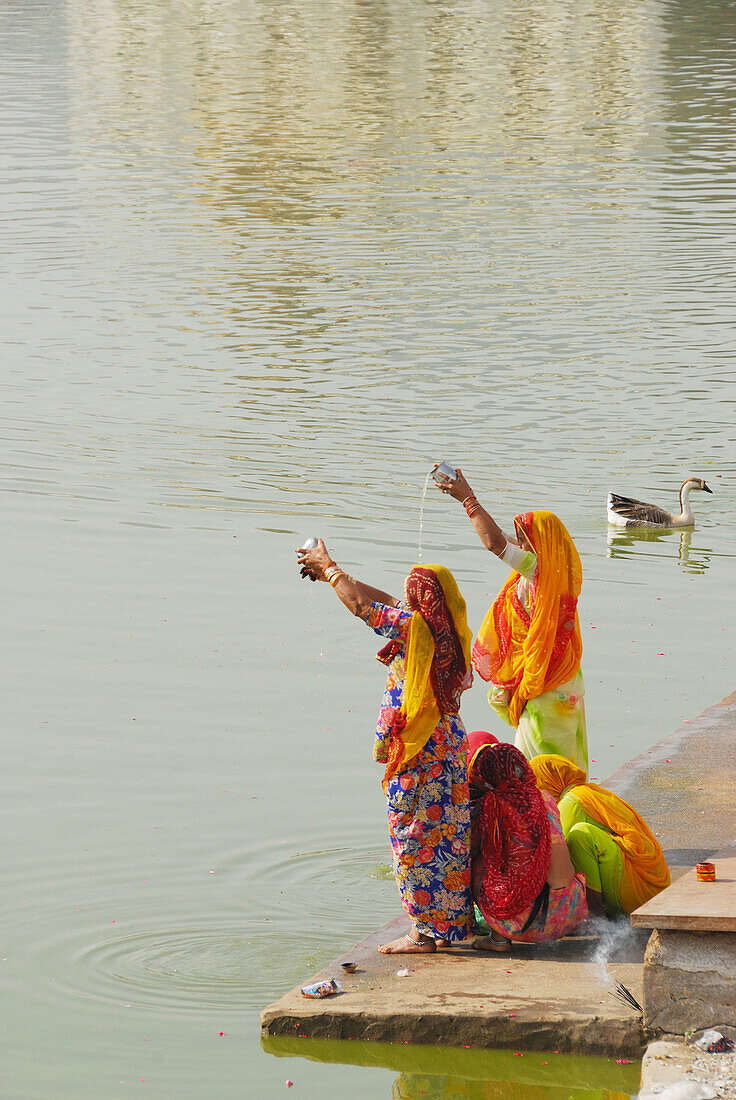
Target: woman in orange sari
[
  {"x": 622, "y": 860},
  {"x": 529, "y": 645},
  {"x": 421, "y": 740}
]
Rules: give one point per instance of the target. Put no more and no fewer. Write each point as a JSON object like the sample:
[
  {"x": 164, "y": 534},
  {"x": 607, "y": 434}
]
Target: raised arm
[
  {"x": 489, "y": 533},
  {"x": 357, "y": 597}
]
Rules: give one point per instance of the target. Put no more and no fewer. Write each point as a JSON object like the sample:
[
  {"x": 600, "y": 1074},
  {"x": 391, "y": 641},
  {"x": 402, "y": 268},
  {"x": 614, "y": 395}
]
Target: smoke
[{"x": 612, "y": 936}]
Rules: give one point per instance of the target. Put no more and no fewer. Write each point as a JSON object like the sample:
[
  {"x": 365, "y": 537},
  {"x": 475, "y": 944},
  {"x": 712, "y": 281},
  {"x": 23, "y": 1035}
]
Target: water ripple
[{"x": 193, "y": 969}]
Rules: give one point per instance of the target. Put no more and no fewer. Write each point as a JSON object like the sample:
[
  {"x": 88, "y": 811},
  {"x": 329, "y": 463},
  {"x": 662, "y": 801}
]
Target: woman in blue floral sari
[{"x": 422, "y": 742}]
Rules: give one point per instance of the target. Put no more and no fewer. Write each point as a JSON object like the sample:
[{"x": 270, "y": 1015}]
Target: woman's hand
[
  {"x": 356, "y": 596},
  {"x": 488, "y": 531},
  {"x": 459, "y": 488},
  {"x": 314, "y": 562}
]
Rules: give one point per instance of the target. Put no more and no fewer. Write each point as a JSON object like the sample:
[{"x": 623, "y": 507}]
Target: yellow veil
[
  {"x": 420, "y": 712},
  {"x": 644, "y": 861}
]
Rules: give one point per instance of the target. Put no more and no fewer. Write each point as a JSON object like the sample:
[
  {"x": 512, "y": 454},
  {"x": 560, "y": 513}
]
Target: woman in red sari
[{"x": 523, "y": 880}]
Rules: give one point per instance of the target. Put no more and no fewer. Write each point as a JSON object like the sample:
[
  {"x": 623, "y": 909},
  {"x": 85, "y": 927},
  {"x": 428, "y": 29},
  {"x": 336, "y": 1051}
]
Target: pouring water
[
  {"x": 421, "y": 515},
  {"x": 445, "y": 470}
]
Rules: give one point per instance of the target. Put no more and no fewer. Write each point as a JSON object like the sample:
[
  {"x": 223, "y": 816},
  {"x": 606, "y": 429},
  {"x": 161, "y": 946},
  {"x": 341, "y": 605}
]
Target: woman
[
  {"x": 529, "y": 646},
  {"x": 623, "y": 862},
  {"x": 523, "y": 880},
  {"x": 422, "y": 742}
]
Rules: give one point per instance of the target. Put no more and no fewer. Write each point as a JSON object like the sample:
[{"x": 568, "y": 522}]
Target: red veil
[{"x": 514, "y": 829}]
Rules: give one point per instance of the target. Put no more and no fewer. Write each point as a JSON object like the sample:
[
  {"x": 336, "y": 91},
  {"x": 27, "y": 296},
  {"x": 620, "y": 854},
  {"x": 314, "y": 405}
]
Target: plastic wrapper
[
  {"x": 321, "y": 989},
  {"x": 708, "y": 1037},
  {"x": 713, "y": 1042}
]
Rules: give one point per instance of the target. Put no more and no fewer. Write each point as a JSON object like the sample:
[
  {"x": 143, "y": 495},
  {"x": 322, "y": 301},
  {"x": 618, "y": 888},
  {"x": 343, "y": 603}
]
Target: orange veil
[{"x": 531, "y": 652}]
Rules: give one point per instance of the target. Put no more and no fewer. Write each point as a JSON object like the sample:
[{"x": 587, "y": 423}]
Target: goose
[{"x": 625, "y": 512}]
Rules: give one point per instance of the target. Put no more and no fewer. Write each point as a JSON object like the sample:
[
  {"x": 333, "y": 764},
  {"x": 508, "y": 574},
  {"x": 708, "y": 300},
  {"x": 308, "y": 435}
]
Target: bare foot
[
  {"x": 492, "y": 943},
  {"x": 442, "y": 943},
  {"x": 407, "y": 945}
]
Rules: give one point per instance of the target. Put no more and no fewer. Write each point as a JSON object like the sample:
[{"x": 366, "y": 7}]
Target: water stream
[{"x": 421, "y": 516}]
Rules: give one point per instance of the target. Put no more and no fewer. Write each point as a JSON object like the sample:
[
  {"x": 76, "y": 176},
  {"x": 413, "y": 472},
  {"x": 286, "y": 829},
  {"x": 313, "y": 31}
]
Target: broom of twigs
[{"x": 626, "y": 996}]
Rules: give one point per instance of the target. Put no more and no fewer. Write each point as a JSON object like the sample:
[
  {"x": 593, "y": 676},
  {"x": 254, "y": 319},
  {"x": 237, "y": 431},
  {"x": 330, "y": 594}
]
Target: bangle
[
  {"x": 472, "y": 509},
  {"x": 335, "y": 577},
  {"x": 329, "y": 570},
  {"x": 470, "y": 497}
]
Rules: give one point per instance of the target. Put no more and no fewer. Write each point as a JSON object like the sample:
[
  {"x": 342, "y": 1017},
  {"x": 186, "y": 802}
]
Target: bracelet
[
  {"x": 473, "y": 509},
  {"x": 329, "y": 570},
  {"x": 469, "y": 498},
  {"x": 335, "y": 577}
]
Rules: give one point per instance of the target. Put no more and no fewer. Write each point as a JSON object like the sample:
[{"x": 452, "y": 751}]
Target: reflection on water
[
  {"x": 310, "y": 125},
  {"x": 624, "y": 543},
  {"x": 450, "y": 1073},
  {"x": 413, "y": 1086}
]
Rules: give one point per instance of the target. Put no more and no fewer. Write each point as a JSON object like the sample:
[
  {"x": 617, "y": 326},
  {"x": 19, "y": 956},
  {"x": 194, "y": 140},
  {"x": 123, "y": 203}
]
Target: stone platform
[
  {"x": 553, "y": 997},
  {"x": 689, "y": 905},
  {"x": 690, "y": 962},
  {"x": 685, "y": 787}
]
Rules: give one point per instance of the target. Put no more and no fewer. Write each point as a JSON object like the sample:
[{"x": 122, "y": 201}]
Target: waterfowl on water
[{"x": 625, "y": 512}]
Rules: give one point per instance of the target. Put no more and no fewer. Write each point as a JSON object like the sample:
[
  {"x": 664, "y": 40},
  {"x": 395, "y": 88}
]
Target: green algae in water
[{"x": 451, "y": 1073}]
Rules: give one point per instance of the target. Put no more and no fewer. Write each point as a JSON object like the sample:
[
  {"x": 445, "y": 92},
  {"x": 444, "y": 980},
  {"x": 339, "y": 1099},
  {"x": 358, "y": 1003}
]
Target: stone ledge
[
  {"x": 538, "y": 998},
  {"x": 689, "y": 981},
  {"x": 684, "y": 786},
  {"x": 691, "y": 905}
]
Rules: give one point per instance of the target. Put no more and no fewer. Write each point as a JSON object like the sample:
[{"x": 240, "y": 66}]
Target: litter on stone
[
  {"x": 712, "y": 1042},
  {"x": 321, "y": 989}
]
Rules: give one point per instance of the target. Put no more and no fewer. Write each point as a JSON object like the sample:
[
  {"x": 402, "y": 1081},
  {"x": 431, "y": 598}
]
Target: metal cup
[
  {"x": 309, "y": 544},
  {"x": 444, "y": 470}
]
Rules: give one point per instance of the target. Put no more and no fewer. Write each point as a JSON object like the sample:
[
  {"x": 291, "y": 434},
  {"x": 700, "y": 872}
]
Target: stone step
[
  {"x": 694, "y": 906},
  {"x": 539, "y": 997}
]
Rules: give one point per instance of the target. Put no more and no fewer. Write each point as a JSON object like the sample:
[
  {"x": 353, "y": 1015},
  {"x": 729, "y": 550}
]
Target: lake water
[{"x": 264, "y": 262}]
